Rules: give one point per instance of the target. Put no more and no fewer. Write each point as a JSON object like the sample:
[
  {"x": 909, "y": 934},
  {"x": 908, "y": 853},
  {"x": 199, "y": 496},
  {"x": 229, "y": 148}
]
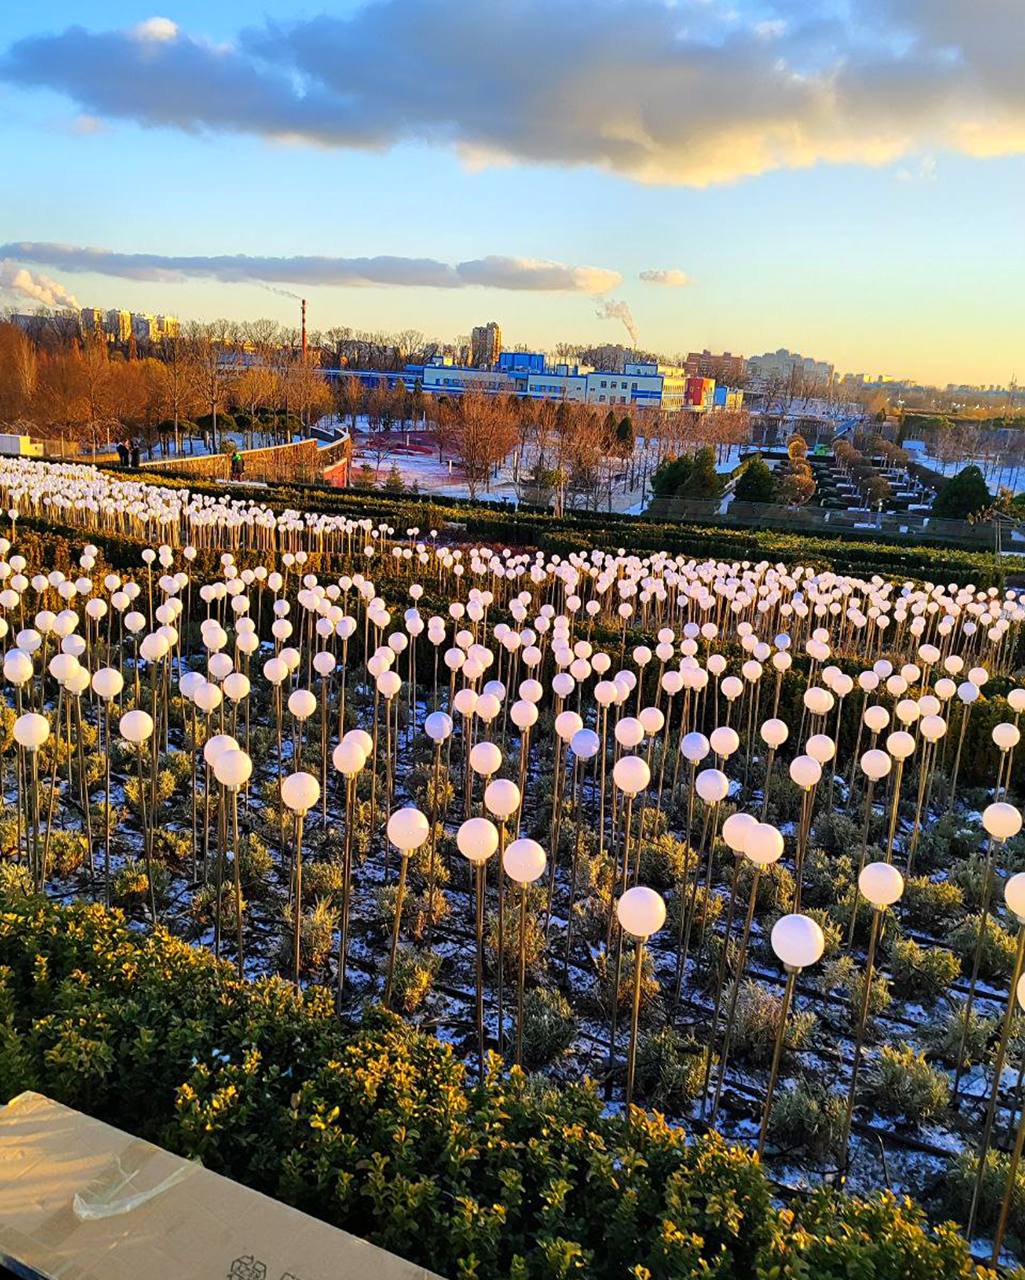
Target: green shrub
[
  {"x": 756, "y": 1023},
  {"x": 378, "y": 1130},
  {"x": 670, "y": 1072},
  {"x": 922, "y": 973},
  {"x": 932, "y": 904},
  {"x": 901, "y": 1083},
  {"x": 809, "y": 1118},
  {"x": 945, "y": 1032},
  {"x": 415, "y": 972},
  {"x": 996, "y": 957},
  {"x": 549, "y": 1027}
]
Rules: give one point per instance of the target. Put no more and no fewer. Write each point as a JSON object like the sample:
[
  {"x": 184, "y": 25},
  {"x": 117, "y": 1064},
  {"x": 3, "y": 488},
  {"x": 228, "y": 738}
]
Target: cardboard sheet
[{"x": 80, "y": 1200}]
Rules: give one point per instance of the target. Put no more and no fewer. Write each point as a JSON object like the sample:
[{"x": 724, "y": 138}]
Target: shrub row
[
  {"x": 581, "y": 530},
  {"x": 376, "y": 1127}
]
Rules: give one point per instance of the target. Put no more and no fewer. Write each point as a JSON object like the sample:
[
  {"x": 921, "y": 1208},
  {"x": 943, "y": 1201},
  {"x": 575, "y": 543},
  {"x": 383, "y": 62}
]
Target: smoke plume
[
  {"x": 613, "y": 310},
  {"x": 40, "y": 288}
]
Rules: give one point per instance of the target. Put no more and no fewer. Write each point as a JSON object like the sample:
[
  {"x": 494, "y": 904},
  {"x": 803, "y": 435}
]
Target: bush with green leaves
[
  {"x": 808, "y": 1117},
  {"x": 549, "y": 1027},
  {"x": 670, "y": 1070},
  {"x": 379, "y": 1129},
  {"x": 931, "y": 904},
  {"x": 415, "y": 972},
  {"x": 316, "y": 936},
  {"x": 996, "y": 955},
  {"x": 756, "y": 1023},
  {"x": 921, "y": 973},
  {"x": 945, "y": 1034},
  {"x": 901, "y": 1083}
]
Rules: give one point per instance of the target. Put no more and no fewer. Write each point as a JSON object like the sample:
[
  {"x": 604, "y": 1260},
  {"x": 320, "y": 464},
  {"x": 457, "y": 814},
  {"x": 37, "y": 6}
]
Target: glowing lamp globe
[
  {"x": 477, "y": 839},
  {"x": 819, "y": 702},
  {"x": 324, "y": 663},
  {"x": 875, "y": 764},
  {"x": 736, "y": 829},
  {"x": 694, "y": 747},
  {"x": 77, "y": 682},
  {"x": 881, "y": 883},
  {"x": 1016, "y": 701},
  {"x": 502, "y": 798},
  {"x": 236, "y": 686},
  {"x": 723, "y": 741},
  {"x": 566, "y": 725},
  {"x": 219, "y": 664},
  {"x": 1020, "y": 992},
  {"x": 438, "y": 726},
  {"x": 774, "y": 733},
  {"x": 900, "y": 745},
  {"x": 348, "y": 758},
  {"x": 631, "y": 775},
  {"x": 233, "y": 768},
  {"x": 108, "y": 683},
  {"x": 1006, "y": 736},
  {"x": 585, "y": 744},
  {"x": 216, "y": 745},
  {"x": 61, "y": 666},
  {"x": 302, "y": 704},
  {"x": 485, "y": 759},
  {"x": 932, "y": 728},
  {"x": 300, "y": 792},
  {"x": 135, "y": 727},
  {"x": 641, "y": 911},
  {"x": 190, "y": 682},
  {"x": 797, "y": 941},
  {"x": 362, "y": 739},
  {"x": 652, "y": 720},
  {"x": 805, "y": 771},
  {"x": 465, "y": 702},
  {"x": 1014, "y": 895},
  {"x": 275, "y": 670},
  {"x": 876, "y": 718},
  {"x": 408, "y": 829},
  {"x": 17, "y": 667},
  {"x": 821, "y": 747},
  {"x": 31, "y": 730},
  {"x": 524, "y": 861},
  {"x": 764, "y": 844},
  {"x": 712, "y": 785},
  {"x": 388, "y": 684},
  {"x": 629, "y": 732},
  {"x": 1001, "y": 820},
  {"x": 207, "y": 697}
]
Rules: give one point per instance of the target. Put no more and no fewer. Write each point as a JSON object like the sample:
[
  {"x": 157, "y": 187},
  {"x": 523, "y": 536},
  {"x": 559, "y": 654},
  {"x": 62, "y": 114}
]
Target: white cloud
[
  {"x": 684, "y": 92},
  {"x": 156, "y": 29},
  {"x": 672, "y": 278},
  {"x": 495, "y": 272}
]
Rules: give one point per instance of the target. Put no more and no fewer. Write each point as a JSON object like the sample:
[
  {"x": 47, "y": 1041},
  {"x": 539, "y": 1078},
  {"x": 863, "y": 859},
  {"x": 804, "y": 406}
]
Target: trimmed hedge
[
  {"x": 580, "y": 531},
  {"x": 378, "y": 1129}
]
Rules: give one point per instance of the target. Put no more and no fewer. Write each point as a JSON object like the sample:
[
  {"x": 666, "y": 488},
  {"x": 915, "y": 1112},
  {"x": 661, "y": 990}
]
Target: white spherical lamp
[
  {"x": 797, "y": 941},
  {"x": 641, "y": 911},
  {"x": 881, "y": 883},
  {"x": 408, "y": 829}
]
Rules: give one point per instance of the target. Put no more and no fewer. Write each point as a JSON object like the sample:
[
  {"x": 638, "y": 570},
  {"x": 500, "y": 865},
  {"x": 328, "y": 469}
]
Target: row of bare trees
[{"x": 88, "y": 393}]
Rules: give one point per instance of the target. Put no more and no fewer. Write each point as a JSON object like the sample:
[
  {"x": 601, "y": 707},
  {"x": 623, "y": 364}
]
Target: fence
[{"x": 302, "y": 461}]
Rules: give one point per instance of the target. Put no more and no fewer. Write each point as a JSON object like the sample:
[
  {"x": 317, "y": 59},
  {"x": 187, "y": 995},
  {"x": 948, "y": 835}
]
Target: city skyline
[{"x": 780, "y": 215}]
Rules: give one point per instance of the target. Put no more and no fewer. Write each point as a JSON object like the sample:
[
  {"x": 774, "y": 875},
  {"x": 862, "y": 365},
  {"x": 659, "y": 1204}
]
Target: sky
[{"x": 845, "y": 178}]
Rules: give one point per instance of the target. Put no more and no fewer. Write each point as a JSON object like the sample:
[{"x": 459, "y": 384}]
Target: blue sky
[{"x": 866, "y": 223}]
